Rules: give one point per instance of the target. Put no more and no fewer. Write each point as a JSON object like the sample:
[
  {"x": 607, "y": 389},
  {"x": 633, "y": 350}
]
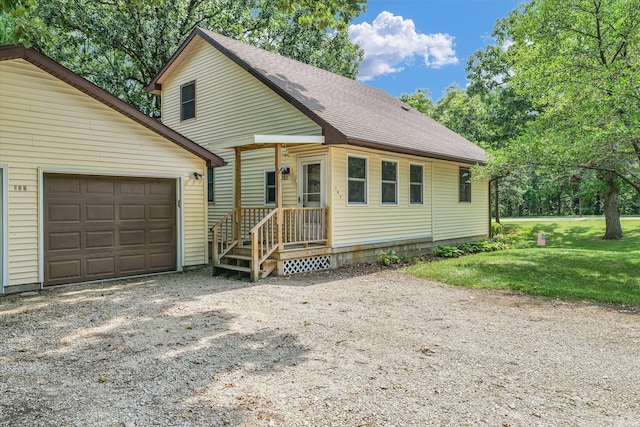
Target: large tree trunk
[{"x": 611, "y": 210}]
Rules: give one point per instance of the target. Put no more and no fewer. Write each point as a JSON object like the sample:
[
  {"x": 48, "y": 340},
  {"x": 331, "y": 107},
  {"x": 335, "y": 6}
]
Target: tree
[
  {"x": 121, "y": 44},
  {"x": 420, "y": 100},
  {"x": 578, "y": 63}
]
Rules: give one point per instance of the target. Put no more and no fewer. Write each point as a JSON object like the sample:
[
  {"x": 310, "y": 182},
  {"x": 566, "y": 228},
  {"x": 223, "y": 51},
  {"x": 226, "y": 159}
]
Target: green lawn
[{"x": 575, "y": 264}]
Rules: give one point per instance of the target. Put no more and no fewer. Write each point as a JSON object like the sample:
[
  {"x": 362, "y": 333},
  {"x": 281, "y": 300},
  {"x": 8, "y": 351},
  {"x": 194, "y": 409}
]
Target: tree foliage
[
  {"x": 578, "y": 63},
  {"x": 121, "y": 44}
]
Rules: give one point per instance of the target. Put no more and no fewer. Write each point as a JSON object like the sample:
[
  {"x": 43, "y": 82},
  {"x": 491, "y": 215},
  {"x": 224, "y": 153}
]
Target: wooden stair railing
[
  {"x": 224, "y": 236},
  {"x": 264, "y": 241}
]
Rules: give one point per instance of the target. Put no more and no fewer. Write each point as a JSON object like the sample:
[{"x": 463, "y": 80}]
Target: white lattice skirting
[{"x": 307, "y": 264}]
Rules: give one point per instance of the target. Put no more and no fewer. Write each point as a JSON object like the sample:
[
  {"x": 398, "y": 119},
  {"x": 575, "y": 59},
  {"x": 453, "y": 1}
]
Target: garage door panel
[
  {"x": 65, "y": 186},
  {"x": 100, "y": 187},
  {"x": 161, "y": 261},
  {"x": 101, "y": 266},
  {"x": 67, "y": 270},
  {"x": 128, "y": 187},
  {"x": 100, "y": 212},
  {"x": 133, "y": 264},
  {"x": 132, "y": 212},
  {"x": 132, "y": 237},
  {"x": 100, "y": 239},
  {"x": 99, "y": 227},
  {"x": 64, "y": 241},
  {"x": 160, "y": 236},
  {"x": 64, "y": 212},
  {"x": 161, "y": 212}
]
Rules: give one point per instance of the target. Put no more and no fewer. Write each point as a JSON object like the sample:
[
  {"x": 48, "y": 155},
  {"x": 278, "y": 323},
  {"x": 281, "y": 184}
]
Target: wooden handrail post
[
  {"x": 279, "y": 196},
  {"x": 214, "y": 246},
  {"x": 255, "y": 258},
  {"x": 238, "y": 195}
]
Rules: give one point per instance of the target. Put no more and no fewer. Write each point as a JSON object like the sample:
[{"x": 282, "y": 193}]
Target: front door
[{"x": 311, "y": 182}]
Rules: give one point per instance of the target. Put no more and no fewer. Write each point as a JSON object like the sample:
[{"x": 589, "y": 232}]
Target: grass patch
[{"x": 576, "y": 264}]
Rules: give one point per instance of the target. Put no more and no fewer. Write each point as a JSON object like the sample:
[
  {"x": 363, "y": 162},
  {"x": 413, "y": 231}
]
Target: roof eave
[{"x": 421, "y": 153}]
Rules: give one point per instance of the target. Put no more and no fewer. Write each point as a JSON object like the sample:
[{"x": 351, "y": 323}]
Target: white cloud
[{"x": 390, "y": 42}]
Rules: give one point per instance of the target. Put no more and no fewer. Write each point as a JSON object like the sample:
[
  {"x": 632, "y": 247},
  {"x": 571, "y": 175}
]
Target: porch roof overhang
[{"x": 266, "y": 141}]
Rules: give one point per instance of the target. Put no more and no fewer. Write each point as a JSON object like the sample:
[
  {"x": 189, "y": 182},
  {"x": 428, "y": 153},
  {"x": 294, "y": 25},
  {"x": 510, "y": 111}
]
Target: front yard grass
[{"x": 576, "y": 264}]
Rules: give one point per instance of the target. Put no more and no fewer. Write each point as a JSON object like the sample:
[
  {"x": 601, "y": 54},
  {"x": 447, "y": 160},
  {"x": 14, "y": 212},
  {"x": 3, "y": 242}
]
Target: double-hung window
[
  {"x": 416, "y": 185},
  {"x": 465, "y": 184},
  {"x": 357, "y": 180},
  {"x": 389, "y": 184},
  {"x": 188, "y": 101}
]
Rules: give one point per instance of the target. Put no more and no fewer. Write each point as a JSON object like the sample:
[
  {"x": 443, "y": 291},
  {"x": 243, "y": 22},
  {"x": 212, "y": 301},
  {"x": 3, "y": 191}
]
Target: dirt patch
[{"x": 355, "y": 346}]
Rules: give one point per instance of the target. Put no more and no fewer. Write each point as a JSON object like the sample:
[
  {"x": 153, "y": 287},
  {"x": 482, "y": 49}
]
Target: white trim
[
  {"x": 41, "y": 227},
  {"x": 288, "y": 139},
  {"x": 4, "y": 228},
  {"x": 313, "y": 158},
  {"x": 112, "y": 173},
  {"x": 274, "y": 139},
  {"x": 397, "y": 181},
  {"x": 180, "y": 224},
  {"x": 366, "y": 180}
]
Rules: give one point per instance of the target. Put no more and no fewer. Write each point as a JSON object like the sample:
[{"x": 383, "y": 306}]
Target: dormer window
[{"x": 188, "y": 101}]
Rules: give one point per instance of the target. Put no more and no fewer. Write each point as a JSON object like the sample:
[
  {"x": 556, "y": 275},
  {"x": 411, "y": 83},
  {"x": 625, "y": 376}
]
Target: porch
[{"x": 258, "y": 240}]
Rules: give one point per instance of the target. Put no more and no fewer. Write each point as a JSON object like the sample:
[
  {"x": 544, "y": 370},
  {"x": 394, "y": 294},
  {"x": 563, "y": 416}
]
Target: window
[
  {"x": 270, "y": 187},
  {"x": 188, "y": 101},
  {"x": 416, "y": 192},
  {"x": 210, "y": 185},
  {"x": 357, "y": 180},
  {"x": 389, "y": 189},
  {"x": 465, "y": 184}
]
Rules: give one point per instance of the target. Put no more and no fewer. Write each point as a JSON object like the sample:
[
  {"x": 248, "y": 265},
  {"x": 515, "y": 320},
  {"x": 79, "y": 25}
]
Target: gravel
[{"x": 350, "y": 347}]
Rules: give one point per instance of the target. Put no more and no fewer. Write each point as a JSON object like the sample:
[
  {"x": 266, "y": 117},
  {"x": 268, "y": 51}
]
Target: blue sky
[{"x": 411, "y": 44}]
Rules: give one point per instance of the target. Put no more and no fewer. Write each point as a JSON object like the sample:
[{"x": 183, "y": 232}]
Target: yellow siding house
[
  {"x": 322, "y": 170},
  {"x": 90, "y": 188}
]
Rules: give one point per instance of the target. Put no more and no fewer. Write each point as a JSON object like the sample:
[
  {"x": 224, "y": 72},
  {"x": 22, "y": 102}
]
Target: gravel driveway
[{"x": 357, "y": 347}]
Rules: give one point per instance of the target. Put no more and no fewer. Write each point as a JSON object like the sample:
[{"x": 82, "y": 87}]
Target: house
[
  {"x": 322, "y": 170},
  {"x": 90, "y": 188}
]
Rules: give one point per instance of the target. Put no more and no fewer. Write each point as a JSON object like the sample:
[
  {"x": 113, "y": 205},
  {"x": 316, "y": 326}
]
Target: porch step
[
  {"x": 234, "y": 268},
  {"x": 238, "y": 257}
]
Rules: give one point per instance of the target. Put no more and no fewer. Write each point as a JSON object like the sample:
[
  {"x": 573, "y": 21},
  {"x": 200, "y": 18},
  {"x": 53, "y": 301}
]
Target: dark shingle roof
[
  {"x": 55, "y": 69},
  {"x": 348, "y": 111}
]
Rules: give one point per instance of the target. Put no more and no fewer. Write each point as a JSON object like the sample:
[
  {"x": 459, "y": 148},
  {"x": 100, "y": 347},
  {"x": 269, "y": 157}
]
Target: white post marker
[{"x": 542, "y": 240}]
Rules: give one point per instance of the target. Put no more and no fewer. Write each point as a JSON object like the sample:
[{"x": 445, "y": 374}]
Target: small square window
[
  {"x": 270, "y": 187},
  {"x": 416, "y": 184},
  {"x": 188, "y": 101},
  {"x": 465, "y": 184}
]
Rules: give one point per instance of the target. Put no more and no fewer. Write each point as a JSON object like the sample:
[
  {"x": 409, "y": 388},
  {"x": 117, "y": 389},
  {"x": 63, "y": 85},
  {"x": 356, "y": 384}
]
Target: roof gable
[
  {"x": 348, "y": 111},
  {"x": 50, "y": 66}
]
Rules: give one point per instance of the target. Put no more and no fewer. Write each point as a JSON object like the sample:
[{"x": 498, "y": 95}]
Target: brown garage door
[{"x": 98, "y": 227}]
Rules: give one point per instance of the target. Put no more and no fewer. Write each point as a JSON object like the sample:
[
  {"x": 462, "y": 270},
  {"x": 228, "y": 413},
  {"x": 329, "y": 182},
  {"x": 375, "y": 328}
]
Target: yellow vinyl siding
[
  {"x": 374, "y": 222},
  {"x": 454, "y": 219},
  {"x": 45, "y": 123},
  {"x": 231, "y": 104}
]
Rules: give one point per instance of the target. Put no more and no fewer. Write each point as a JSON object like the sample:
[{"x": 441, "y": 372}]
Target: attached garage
[
  {"x": 91, "y": 188},
  {"x": 101, "y": 227}
]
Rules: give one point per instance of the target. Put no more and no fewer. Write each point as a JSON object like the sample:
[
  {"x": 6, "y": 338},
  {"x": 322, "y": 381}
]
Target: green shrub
[
  {"x": 389, "y": 257},
  {"x": 445, "y": 251},
  {"x": 496, "y": 228}
]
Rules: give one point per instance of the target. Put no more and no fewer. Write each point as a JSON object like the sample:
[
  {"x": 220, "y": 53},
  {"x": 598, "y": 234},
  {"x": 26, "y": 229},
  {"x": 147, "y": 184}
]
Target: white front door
[{"x": 312, "y": 178}]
